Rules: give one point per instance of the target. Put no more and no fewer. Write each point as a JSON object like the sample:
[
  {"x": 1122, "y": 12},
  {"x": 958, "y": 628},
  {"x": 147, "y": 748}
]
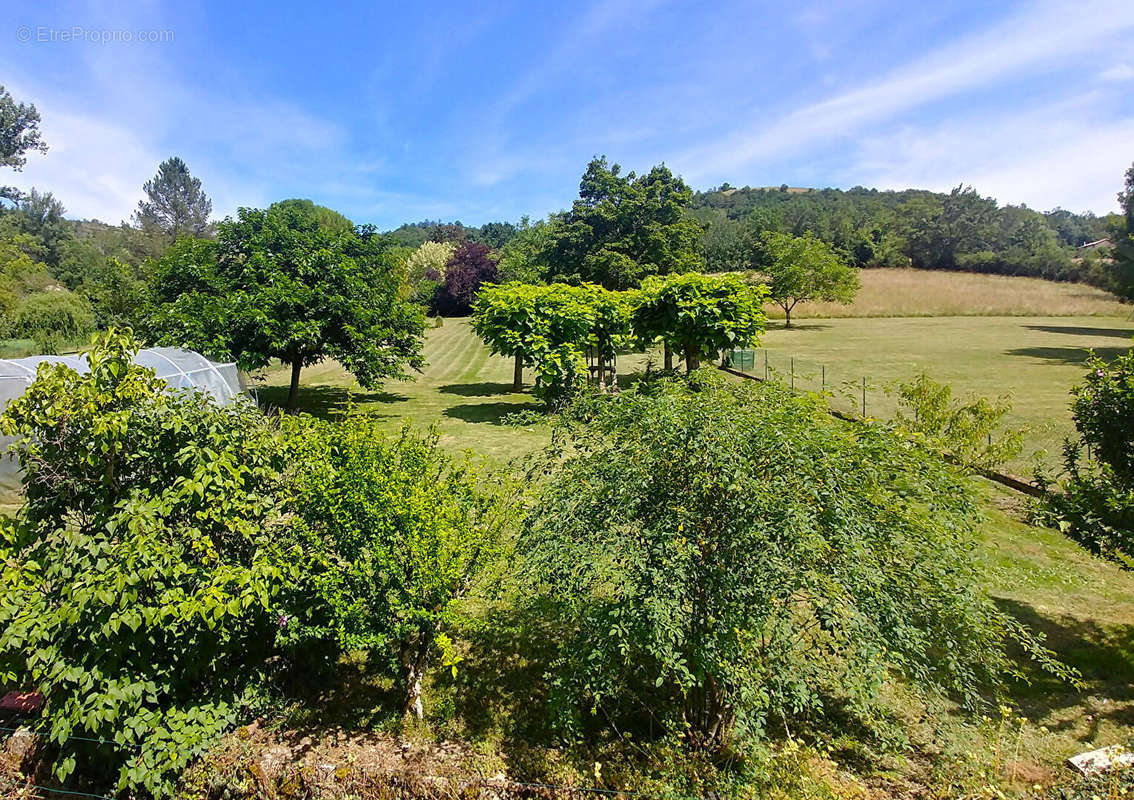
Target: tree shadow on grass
[
  {"x": 1076, "y": 330},
  {"x": 322, "y": 400},
  {"x": 492, "y": 413},
  {"x": 1068, "y": 355},
  {"x": 1103, "y": 655},
  {"x": 476, "y": 389},
  {"x": 800, "y": 326}
]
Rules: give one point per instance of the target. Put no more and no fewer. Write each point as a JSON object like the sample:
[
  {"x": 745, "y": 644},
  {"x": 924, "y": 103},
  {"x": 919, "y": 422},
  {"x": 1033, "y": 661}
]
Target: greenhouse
[{"x": 180, "y": 369}]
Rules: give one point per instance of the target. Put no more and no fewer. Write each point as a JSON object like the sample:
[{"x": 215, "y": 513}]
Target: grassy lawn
[
  {"x": 937, "y": 293},
  {"x": 1035, "y": 360},
  {"x": 466, "y": 392}
]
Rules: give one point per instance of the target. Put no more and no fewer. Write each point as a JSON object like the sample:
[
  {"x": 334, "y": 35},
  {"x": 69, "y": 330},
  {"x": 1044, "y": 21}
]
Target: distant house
[{"x": 1098, "y": 244}]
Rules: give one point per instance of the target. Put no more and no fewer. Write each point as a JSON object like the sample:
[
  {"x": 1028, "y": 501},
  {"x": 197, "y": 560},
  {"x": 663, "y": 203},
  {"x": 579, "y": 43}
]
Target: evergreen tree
[{"x": 174, "y": 203}]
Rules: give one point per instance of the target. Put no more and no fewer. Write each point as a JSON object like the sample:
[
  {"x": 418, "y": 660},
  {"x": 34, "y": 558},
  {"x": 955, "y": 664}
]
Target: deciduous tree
[
  {"x": 802, "y": 268},
  {"x": 19, "y": 135},
  {"x": 624, "y": 228},
  {"x": 697, "y": 314},
  {"x": 277, "y": 284}
]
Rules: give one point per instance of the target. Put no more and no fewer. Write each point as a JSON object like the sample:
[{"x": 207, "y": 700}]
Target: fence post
[
  {"x": 864, "y": 397},
  {"x": 793, "y": 373},
  {"x": 765, "y": 365},
  {"x": 823, "y": 379}
]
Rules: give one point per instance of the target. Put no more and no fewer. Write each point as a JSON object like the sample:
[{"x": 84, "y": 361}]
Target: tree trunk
[
  {"x": 518, "y": 374},
  {"x": 414, "y": 659},
  {"x": 692, "y": 357},
  {"x": 787, "y": 316},
  {"x": 412, "y": 702},
  {"x": 293, "y": 392},
  {"x": 668, "y": 357}
]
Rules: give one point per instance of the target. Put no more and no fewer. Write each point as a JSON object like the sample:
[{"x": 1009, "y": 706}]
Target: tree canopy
[
  {"x": 697, "y": 314},
  {"x": 174, "y": 202},
  {"x": 623, "y": 228},
  {"x": 277, "y": 284},
  {"x": 19, "y": 135}
]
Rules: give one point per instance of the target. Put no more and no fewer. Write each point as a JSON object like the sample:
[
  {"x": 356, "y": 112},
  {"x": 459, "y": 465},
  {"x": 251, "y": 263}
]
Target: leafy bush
[
  {"x": 55, "y": 311},
  {"x": 141, "y": 572},
  {"x": 1094, "y": 505},
  {"x": 470, "y": 266},
  {"x": 973, "y": 432},
  {"x": 730, "y": 558},
  {"x": 394, "y": 535}
]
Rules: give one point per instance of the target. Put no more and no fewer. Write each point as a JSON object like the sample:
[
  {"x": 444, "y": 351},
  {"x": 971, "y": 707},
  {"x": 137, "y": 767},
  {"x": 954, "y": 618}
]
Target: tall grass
[{"x": 935, "y": 293}]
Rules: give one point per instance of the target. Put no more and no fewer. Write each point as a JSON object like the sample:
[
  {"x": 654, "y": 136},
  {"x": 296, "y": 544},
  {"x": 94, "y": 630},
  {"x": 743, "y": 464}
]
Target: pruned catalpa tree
[
  {"x": 279, "y": 284},
  {"x": 698, "y": 314}
]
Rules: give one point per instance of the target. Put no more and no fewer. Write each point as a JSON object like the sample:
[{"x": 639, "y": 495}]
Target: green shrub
[
  {"x": 973, "y": 432},
  {"x": 395, "y": 535},
  {"x": 1094, "y": 504},
  {"x": 141, "y": 572},
  {"x": 58, "y": 311},
  {"x": 730, "y": 558}
]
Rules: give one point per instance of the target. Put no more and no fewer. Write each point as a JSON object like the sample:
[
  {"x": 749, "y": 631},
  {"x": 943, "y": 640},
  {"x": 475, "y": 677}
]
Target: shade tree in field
[
  {"x": 623, "y": 228},
  {"x": 545, "y": 327},
  {"x": 175, "y": 203},
  {"x": 279, "y": 284},
  {"x": 739, "y": 559},
  {"x": 394, "y": 535},
  {"x": 696, "y": 314},
  {"x": 801, "y": 269},
  {"x": 471, "y": 265}
]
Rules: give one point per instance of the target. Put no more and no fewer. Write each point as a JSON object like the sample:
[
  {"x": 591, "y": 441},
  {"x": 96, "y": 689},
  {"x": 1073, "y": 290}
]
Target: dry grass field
[{"x": 934, "y": 293}]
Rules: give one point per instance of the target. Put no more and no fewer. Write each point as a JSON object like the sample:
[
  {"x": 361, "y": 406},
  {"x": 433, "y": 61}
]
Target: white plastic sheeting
[{"x": 180, "y": 369}]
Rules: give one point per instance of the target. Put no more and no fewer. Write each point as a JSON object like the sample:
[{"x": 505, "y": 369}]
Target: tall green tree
[
  {"x": 19, "y": 135},
  {"x": 174, "y": 202},
  {"x": 277, "y": 284},
  {"x": 802, "y": 268},
  {"x": 624, "y": 228},
  {"x": 698, "y": 314},
  {"x": 1120, "y": 272}
]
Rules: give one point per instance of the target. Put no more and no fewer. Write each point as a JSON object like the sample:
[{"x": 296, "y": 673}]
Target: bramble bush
[
  {"x": 142, "y": 571},
  {"x": 1094, "y": 504},
  {"x": 394, "y": 536},
  {"x": 729, "y": 557}
]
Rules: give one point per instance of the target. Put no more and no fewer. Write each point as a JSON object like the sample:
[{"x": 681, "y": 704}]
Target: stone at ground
[{"x": 1102, "y": 760}]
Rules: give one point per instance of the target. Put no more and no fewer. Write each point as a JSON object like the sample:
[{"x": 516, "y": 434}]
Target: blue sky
[{"x": 488, "y": 111}]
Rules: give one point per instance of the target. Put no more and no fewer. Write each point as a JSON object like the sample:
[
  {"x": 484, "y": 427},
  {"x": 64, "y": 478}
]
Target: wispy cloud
[{"x": 1038, "y": 37}]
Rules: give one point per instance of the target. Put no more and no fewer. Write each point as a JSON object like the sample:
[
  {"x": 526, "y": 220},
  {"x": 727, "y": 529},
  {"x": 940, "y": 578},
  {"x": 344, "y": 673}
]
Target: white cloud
[
  {"x": 1051, "y": 156},
  {"x": 1038, "y": 39},
  {"x": 94, "y": 166},
  {"x": 1118, "y": 73}
]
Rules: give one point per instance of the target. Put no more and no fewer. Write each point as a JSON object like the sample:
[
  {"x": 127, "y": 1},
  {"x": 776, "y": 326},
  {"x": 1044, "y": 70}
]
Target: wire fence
[{"x": 854, "y": 394}]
